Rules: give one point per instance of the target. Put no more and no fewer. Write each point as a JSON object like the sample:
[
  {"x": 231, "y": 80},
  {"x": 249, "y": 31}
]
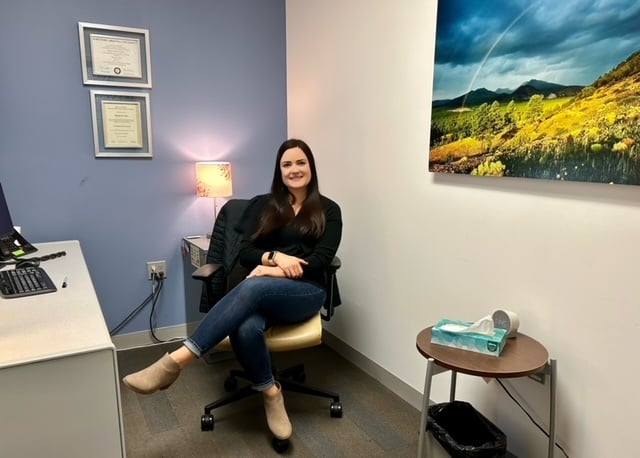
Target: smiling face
[{"x": 295, "y": 169}]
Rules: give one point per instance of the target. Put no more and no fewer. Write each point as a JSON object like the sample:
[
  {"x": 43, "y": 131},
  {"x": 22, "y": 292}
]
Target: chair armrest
[
  {"x": 205, "y": 272},
  {"x": 333, "y": 296}
]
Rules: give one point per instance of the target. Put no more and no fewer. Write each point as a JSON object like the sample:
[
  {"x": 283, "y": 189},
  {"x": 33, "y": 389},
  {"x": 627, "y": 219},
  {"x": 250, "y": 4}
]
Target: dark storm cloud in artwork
[{"x": 496, "y": 44}]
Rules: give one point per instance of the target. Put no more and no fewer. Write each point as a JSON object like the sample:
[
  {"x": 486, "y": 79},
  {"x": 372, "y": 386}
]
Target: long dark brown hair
[{"x": 278, "y": 212}]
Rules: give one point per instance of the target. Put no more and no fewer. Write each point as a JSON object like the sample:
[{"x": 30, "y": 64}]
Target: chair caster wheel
[
  {"x": 280, "y": 445},
  {"x": 230, "y": 384},
  {"x": 336, "y": 409},
  {"x": 207, "y": 422}
]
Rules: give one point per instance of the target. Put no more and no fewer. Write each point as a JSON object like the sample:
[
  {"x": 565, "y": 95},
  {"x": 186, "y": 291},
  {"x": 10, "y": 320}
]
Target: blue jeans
[{"x": 254, "y": 305}]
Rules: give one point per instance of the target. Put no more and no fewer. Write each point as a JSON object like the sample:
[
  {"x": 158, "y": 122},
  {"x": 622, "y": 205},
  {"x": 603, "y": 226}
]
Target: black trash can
[{"x": 464, "y": 432}]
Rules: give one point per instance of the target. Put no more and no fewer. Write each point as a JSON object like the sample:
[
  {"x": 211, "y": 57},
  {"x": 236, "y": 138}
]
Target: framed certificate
[
  {"x": 114, "y": 56},
  {"x": 121, "y": 124}
]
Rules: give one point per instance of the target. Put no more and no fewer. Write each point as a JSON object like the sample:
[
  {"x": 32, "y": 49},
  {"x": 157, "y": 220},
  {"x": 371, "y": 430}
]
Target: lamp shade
[{"x": 213, "y": 179}]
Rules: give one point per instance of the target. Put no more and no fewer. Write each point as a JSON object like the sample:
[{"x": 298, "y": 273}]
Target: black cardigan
[
  {"x": 317, "y": 252},
  {"x": 227, "y": 239}
]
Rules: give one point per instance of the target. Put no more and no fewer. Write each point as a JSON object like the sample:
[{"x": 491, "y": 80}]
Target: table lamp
[{"x": 213, "y": 179}]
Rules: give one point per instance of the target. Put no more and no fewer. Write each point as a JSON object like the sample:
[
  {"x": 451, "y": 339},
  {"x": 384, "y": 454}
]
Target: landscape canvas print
[{"x": 537, "y": 89}]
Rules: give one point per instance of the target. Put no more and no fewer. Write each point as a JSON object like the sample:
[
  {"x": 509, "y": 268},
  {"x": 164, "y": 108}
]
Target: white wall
[{"x": 419, "y": 246}]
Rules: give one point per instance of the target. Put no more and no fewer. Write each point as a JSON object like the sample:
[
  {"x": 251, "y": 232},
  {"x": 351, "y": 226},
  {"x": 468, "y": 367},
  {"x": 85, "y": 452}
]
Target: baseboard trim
[
  {"x": 405, "y": 391},
  {"x": 145, "y": 338}
]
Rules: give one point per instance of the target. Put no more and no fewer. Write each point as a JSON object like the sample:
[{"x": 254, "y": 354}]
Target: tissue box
[{"x": 471, "y": 341}]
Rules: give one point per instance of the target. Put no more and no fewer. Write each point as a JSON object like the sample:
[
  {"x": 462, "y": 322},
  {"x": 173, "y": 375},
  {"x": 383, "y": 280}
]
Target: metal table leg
[
  {"x": 452, "y": 387},
  {"x": 552, "y": 407},
  {"x": 432, "y": 369},
  {"x": 425, "y": 406}
]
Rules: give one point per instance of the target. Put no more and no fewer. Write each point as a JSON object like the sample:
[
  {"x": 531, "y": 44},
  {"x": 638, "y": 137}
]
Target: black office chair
[{"x": 219, "y": 275}]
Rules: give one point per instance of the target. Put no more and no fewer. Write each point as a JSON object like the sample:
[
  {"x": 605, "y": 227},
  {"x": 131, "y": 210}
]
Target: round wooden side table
[{"x": 521, "y": 356}]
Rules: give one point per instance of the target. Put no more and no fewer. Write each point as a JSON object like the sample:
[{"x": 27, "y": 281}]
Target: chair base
[{"x": 290, "y": 379}]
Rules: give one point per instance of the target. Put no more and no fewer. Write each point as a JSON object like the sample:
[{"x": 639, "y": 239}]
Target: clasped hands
[{"x": 286, "y": 266}]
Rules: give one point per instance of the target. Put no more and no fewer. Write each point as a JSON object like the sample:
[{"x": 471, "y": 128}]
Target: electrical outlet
[{"x": 158, "y": 268}]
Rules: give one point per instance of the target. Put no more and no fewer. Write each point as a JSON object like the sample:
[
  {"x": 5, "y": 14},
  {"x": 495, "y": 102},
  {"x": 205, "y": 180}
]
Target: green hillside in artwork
[{"x": 546, "y": 131}]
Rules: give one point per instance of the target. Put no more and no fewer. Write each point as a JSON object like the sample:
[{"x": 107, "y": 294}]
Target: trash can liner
[{"x": 464, "y": 432}]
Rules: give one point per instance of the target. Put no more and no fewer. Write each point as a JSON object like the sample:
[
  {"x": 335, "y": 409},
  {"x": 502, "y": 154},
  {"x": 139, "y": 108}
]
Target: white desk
[{"x": 59, "y": 384}]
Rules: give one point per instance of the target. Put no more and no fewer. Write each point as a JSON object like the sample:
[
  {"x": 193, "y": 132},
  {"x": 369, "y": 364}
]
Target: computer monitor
[
  {"x": 5, "y": 218},
  {"x": 12, "y": 243}
]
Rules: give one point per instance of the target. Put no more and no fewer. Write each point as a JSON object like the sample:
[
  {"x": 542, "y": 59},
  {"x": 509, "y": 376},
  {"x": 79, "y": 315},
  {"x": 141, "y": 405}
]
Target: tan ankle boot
[
  {"x": 277, "y": 417},
  {"x": 159, "y": 376}
]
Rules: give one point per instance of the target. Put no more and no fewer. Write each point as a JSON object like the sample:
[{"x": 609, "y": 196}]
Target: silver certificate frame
[
  {"x": 115, "y": 56},
  {"x": 121, "y": 124}
]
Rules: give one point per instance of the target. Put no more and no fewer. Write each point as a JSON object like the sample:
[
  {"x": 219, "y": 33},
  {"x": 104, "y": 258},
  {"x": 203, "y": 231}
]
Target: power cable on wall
[
  {"x": 129, "y": 317},
  {"x": 529, "y": 415},
  {"x": 156, "y": 289}
]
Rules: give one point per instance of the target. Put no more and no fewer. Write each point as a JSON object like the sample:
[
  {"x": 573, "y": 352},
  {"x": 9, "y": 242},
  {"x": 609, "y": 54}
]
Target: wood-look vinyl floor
[{"x": 375, "y": 422}]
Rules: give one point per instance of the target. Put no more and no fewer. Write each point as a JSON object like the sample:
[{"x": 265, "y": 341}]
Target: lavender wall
[{"x": 219, "y": 93}]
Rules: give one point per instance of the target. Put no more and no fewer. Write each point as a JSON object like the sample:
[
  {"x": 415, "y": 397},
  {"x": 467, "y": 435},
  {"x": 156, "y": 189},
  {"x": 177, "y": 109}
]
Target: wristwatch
[{"x": 272, "y": 258}]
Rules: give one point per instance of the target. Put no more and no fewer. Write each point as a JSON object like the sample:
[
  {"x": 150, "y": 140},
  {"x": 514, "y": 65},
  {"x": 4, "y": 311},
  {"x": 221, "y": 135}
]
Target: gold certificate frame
[
  {"x": 114, "y": 56},
  {"x": 121, "y": 124}
]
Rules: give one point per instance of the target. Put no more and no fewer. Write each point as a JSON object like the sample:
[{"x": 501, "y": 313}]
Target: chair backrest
[{"x": 224, "y": 248}]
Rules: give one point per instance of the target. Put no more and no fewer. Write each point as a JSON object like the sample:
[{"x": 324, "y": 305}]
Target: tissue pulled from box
[
  {"x": 482, "y": 326},
  {"x": 479, "y": 336}
]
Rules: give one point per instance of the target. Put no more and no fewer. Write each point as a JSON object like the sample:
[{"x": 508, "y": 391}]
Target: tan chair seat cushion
[{"x": 288, "y": 337}]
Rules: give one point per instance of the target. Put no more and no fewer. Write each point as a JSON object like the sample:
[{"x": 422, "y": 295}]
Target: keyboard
[{"x": 25, "y": 281}]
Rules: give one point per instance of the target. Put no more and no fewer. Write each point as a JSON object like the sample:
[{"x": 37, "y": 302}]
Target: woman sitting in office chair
[{"x": 290, "y": 238}]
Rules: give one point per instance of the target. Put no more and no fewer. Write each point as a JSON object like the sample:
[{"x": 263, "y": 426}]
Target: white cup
[{"x": 507, "y": 320}]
